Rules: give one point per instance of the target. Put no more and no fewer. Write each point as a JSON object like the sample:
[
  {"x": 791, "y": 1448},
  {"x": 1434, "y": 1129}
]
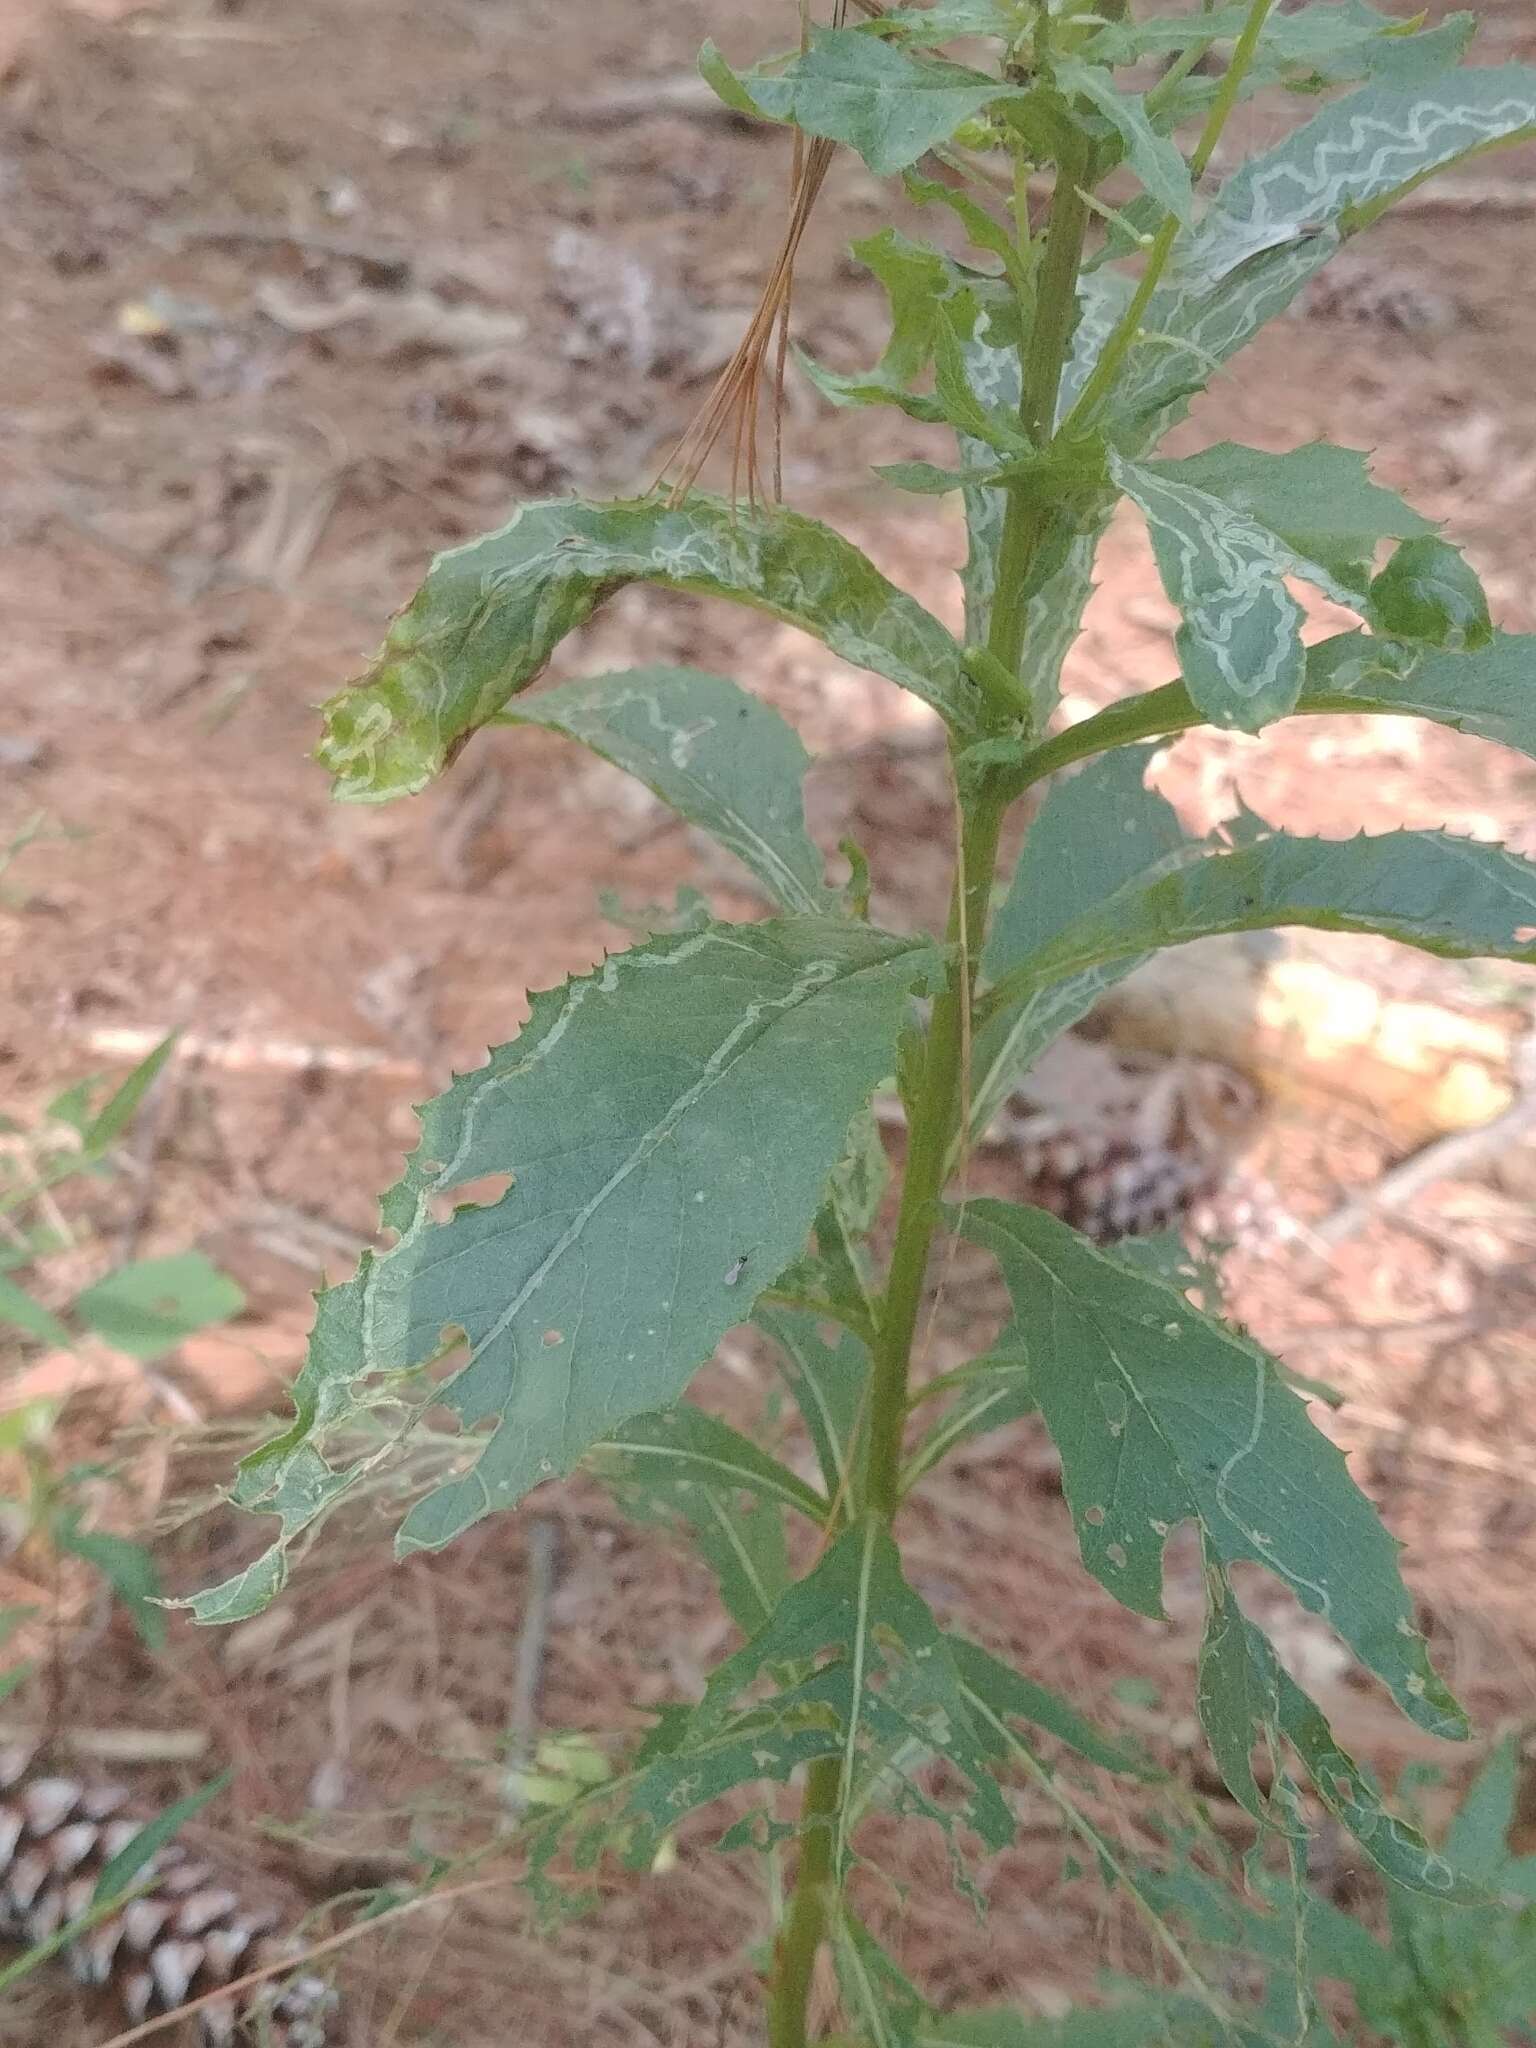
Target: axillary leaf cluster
[{"x": 685, "y": 1131}]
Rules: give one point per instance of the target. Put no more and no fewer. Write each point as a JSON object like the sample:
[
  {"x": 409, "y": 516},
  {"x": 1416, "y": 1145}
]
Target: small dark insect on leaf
[{"x": 737, "y": 1267}]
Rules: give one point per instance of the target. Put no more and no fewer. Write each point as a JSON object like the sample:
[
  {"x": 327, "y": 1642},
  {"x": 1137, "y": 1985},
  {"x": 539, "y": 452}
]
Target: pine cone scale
[{"x": 185, "y": 1936}]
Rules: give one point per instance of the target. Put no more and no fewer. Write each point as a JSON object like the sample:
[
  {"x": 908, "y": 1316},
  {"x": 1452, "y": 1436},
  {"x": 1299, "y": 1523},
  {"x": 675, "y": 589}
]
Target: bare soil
[{"x": 296, "y": 294}]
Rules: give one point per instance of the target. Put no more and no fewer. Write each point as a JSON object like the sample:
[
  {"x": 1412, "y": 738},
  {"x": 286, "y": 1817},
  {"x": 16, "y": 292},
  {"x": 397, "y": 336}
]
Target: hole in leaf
[{"x": 484, "y": 1192}]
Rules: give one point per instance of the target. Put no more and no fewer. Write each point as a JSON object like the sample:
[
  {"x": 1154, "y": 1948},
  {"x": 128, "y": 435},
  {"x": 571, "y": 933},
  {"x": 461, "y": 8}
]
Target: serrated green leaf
[
  {"x": 892, "y": 1683},
  {"x": 149, "y": 1307},
  {"x": 918, "y": 282},
  {"x": 644, "y": 1116},
  {"x": 1332, "y": 42},
  {"x": 1239, "y": 637},
  {"x": 1279, "y": 219},
  {"x": 1319, "y": 500},
  {"x": 682, "y": 1464},
  {"x": 1431, "y": 594},
  {"x": 982, "y": 229},
  {"x": 887, "y": 1692},
  {"x": 490, "y": 614},
  {"x": 1163, "y": 1415},
  {"x": 1243, "y": 1689},
  {"x": 1017, "y": 1698},
  {"x": 1070, "y": 864},
  {"x": 1459, "y": 898},
  {"x": 829, "y": 1384},
  {"x": 1417, "y": 59},
  {"x": 1490, "y": 694},
  {"x": 1360, "y": 154},
  {"x": 857, "y": 89},
  {"x": 719, "y": 757},
  {"x": 1156, "y": 159},
  {"x": 21, "y": 1312},
  {"x": 1261, "y": 1933},
  {"x": 1228, "y": 526}
]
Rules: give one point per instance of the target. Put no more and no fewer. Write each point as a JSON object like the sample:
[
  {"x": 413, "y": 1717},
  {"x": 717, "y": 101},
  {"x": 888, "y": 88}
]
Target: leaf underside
[
  {"x": 490, "y": 614},
  {"x": 721, "y": 758},
  {"x": 1162, "y": 1415},
  {"x": 670, "y": 1124}
]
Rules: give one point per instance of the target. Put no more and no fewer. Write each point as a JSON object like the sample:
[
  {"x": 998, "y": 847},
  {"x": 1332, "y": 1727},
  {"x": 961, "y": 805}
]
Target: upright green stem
[
  {"x": 939, "y": 1102},
  {"x": 805, "y": 1926},
  {"x": 934, "y": 1115}
]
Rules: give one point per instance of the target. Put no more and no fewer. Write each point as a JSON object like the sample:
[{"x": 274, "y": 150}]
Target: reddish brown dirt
[{"x": 204, "y": 529}]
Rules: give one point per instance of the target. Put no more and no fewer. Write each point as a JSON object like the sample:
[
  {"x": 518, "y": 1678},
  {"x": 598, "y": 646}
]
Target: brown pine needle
[
  {"x": 736, "y": 398},
  {"x": 735, "y": 401}
]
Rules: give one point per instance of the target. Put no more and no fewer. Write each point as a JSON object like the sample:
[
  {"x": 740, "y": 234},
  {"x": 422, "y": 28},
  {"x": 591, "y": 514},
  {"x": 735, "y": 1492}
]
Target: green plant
[
  {"x": 1444, "y": 1978},
  {"x": 143, "y": 1307},
  {"x": 686, "y": 1131}
]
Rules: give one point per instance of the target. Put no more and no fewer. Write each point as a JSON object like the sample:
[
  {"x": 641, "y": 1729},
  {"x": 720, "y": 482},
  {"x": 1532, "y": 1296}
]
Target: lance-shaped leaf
[
  {"x": 828, "y": 1382},
  {"x": 662, "y": 1120},
  {"x": 150, "y": 1306},
  {"x": 491, "y": 613},
  {"x": 1097, "y": 832},
  {"x": 1227, "y": 527},
  {"x": 877, "y": 1994},
  {"x": 1239, "y": 638},
  {"x": 684, "y": 1465},
  {"x": 1319, "y": 501},
  {"x": 857, "y": 89},
  {"x": 994, "y": 1392},
  {"x": 1163, "y": 1415},
  {"x": 1490, "y": 694},
  {"x": 1013, "y": 1697},
  {"x": 1294, "y": 1927},
  {"x": 1279, "y": 219},
  {"x": 891, "y": 1689},
  {"x": 945, "y": 21},
  {"x": 1429, "y": 593},
  {"x": 719, "y": 757},
  {"x": 1156, "y": 159},
  {"x": 1314, "y": 35},
  {"x": 916, "y": 280},
  {"x": 886, "y": 1705},
  {"x": 1244, "y": 1691},
  {"x": 1456, "y": 897}
]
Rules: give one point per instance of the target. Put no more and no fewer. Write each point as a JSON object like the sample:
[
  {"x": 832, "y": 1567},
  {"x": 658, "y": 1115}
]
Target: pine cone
[
  {"x": 186, "y": 1934},
  {"x": 1130, "y": 1157}
]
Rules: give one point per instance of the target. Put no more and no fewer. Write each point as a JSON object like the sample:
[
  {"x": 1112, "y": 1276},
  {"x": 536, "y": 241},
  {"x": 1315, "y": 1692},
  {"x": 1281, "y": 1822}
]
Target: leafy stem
[
  {"x": 1120, "y": 343},
  {"x": 940, "y": 1104}
]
